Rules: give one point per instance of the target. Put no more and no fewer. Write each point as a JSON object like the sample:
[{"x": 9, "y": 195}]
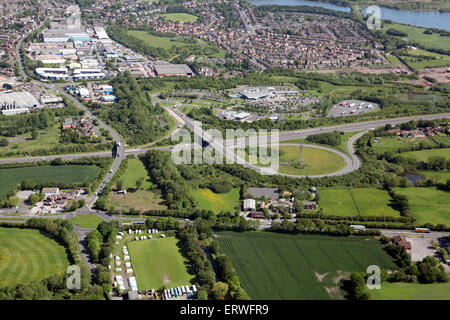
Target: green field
[
  {"x": 27, "y": 255},
  {"x": 432, "y": 60},
  {"x": 356, "y": 201},
  {"x": 86, "y": 221},
  {"x": 395, "y": 143},
  {"x": 141, "y": 199},
  {"x": 179, "y": 17},
  {"x": 158, "y": 263},
  {"x": 281, "y": 266},
  {"x": 217, "y": 202},
  {"x": 135, "y": 170},
  {"x": 57, "y": 174},
  {"x": 169, "y": 42},
  {"x": 441, "y": 176},
  {"x": 424, "y": 155},
  {"x": 412, "y": 291},
  {"x": 428, "y": 204},
  {"x": 416, "y": 34}
]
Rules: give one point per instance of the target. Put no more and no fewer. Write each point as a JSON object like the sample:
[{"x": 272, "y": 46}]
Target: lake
[{"x": 431, "y": 19}]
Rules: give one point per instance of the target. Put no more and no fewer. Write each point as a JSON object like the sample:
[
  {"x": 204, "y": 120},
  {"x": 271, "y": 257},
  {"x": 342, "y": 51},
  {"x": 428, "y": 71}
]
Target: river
[{"x": 427, "y": 19}]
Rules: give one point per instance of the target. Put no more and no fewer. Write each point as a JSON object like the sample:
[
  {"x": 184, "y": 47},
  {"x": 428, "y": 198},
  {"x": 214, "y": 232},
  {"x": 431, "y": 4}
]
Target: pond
[{"x": 413, "y": 177}]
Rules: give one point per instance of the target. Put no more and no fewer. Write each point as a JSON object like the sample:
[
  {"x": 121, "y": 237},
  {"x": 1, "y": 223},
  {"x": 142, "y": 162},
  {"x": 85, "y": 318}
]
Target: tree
[
  {"x": 34, "y": 134},
  {"x": 357, "y": 286},
  {"x": 119, "y": 184},
  {"x": 34, "y": 198},
  {"x": 4, "y": 142},
  {"x": 202, "y": 294},
  {"x": 219, "y": 290},
  {"x": 139, "y": 182}
]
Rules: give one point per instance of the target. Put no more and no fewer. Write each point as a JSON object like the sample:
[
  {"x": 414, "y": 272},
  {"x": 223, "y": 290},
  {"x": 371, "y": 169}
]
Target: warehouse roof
[
  {"x": 22, "y": 99},
  {"x": 174, "y": 69}
]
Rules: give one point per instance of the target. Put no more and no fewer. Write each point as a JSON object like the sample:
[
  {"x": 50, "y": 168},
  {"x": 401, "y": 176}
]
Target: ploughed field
[{"x": 283, "y": 266}]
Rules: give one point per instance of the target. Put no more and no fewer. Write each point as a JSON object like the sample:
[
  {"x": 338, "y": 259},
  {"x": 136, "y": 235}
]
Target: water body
[
  {"x": 302, "y": 3},
  {"x": 426, "y": 19},
  {"x": 413, "y": 177}
]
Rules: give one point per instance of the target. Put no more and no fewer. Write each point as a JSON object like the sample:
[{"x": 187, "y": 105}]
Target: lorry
[{"x": 422, "y": 230}]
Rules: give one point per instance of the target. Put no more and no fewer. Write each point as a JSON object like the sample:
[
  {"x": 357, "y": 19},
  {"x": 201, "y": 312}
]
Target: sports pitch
[
  {"x": 27, "y": 255},
  {"x": 282, "y": 266},
  {"x": 158, "y": 263}
]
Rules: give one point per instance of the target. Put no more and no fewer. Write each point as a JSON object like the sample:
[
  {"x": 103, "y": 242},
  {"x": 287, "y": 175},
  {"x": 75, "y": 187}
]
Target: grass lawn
[
  {"x": 11, "y": 177},
  {"x": 428, "y": 204},
  {"x": 141, "y": 199},
  {"x": 356, "y": 201},
  {"x": 317, "y": 161},
  {"x": 27, "y": 255},
  {"x": 135, "y": 170},
  {"x": 342, "y": 147},
  {"x": 424, "y": 155},
  {"x": 416, "y": 34},
  {"x": 217, "y": 202},
  {"x": 281, "y": 266},
  {"x": 180, "y": 17},
  {"x": 86, "y": 221},
  {"x": 158, "y": 263},
  {"x": 412, "y": 291}
]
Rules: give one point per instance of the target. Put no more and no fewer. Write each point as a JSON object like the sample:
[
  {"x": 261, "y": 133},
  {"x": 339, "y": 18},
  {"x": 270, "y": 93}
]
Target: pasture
[
  {"x": 416, "y": 34},
  {"x": 281, "y": 266},
  {"x": 424, "y": 155},
  {"x": 357, "y": 201},
  {"x": 10, "y": 177},
  {"x": 159, "y": 263},
  {"x": 440, "y": 176},
  {"x": 141, "y": 199},
  {"x": 412, "y": 291},
  {"x": 217, "y": 202},
  {"x": 27, "y": 255},
  {"x": 317, "y": 161},
  {"x": 428, "y": 204},
  {"x": 421, "y": 59},
  {"x": 397, "y": 143}
]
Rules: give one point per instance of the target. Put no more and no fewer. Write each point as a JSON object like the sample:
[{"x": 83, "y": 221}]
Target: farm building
[
  {"x": 257, "y": 215},
  {"x": 309, "y": 205},
  {"x": 249, "y": 204},
  {"x": 50, "y": 191},
  {"x": 401, "y": 241}
]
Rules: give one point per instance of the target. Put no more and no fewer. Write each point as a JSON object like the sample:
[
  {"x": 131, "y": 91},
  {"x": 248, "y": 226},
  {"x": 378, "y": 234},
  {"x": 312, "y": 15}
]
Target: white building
[{"x": 249, "y": 204}]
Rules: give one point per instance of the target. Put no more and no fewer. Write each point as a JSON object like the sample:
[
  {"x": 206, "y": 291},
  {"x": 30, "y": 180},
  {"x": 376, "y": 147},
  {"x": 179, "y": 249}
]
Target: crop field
[
  {"x": 27, "y": 255},
  {"x": 424, "y": 155},
  {"x": 416, "y": 34},
  {"x": 180, "y": 17},
  {"x": 317, "y": 161},
  {"x": 412, "y": 291},
  {"x": 158, "y": 263},
  {"x": 428, "y": 204},
  {"x": 217, "y": 202},
  {"x": 357, "y": 201},
  {"x": 11, "y": 177},
  {"x": 281, "y": 266}
]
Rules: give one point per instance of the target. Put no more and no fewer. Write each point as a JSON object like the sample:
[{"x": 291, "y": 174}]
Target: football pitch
[
  {"x": 27, "y": 255},
  {"x": 282, "y": 266},
  {"x": 159, "y": 263}
]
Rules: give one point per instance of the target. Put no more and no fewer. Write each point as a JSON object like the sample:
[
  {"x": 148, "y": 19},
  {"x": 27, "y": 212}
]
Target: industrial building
[
  {"x": 53, "y": 74},
  {"x": 167, "y": 69},
  {"x": 17, "y": 102}
]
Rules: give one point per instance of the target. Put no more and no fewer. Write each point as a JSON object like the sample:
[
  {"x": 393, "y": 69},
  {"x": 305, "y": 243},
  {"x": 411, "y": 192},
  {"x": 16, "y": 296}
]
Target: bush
[{"x": 221, "y": 186}]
